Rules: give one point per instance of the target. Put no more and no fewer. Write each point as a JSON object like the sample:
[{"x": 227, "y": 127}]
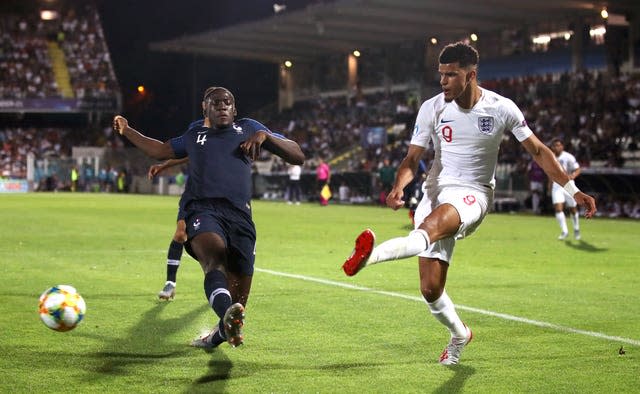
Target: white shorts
[
  {"x": 560, "y": 196},
  {"x": 536, "y": 186},
  {"x": 472, "y": 206}
]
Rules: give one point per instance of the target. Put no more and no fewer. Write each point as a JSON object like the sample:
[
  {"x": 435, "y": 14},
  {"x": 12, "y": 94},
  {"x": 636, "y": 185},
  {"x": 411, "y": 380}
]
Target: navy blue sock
[
  {"x": 218, "y": 337},
  {"x": 215, "y": 289},
  {"x": 173, "y": 260}
]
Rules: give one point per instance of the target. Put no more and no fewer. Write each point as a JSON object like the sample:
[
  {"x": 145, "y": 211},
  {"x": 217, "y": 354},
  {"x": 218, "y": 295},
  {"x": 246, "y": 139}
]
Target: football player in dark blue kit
[
  {"x": 221, "y": 233},
  {"x": 174, "y": 254}
]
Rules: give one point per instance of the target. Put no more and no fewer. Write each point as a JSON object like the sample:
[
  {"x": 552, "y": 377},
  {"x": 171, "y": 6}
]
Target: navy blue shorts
[{"x": 233, "y": 225}]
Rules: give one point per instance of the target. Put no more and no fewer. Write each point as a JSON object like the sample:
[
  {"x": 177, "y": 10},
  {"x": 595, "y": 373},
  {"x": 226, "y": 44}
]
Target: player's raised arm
[
  {"x": 546, "y": 159},
  {"x": 150, "y": 146},
  {"x": 285, "y": 148},
  {"x": 405, "y": 174}
]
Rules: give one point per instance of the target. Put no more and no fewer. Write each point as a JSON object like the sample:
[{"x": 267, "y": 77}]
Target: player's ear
[
  {"x": 472, "y": 74},
  {"x": 204, "y": 109}
]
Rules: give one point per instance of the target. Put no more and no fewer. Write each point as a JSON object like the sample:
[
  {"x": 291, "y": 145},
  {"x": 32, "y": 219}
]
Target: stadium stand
[
  {"x": 355, "y": 120},
  {"x": 58, "y": 91}
]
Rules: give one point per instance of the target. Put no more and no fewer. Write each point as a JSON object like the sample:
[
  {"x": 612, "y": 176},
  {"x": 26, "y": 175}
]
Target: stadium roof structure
[{"x": 345, "y": 25}]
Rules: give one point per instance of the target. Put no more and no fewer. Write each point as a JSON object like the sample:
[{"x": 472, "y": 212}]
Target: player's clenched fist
[{"x": 120, "y": 123}]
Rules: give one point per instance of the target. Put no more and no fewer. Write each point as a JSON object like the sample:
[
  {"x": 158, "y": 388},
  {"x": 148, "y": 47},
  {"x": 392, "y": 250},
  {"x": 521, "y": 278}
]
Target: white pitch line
[{"x": 504, "y": 316}]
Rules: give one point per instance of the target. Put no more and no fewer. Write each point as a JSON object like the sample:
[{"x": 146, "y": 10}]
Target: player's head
[
  {"x": 458, "y": 69},
  {"x": 219, "y": 105},
  {"x": 557, "y": 146}
]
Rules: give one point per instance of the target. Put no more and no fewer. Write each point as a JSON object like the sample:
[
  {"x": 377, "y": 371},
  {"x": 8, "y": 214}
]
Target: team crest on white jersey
[{"x": 485, "y": 124}]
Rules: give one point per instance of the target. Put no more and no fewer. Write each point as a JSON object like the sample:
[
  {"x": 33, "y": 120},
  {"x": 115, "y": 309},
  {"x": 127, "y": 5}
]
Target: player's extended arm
[
  {"x": 405, "y": 174},
  {"x": 576, "y": 173},
  {"x": 285, "y": 148},
  {"x": 546, "y": 159},
  {"x": 150, "y": 146},
  {"x": 158, "y": 168}
]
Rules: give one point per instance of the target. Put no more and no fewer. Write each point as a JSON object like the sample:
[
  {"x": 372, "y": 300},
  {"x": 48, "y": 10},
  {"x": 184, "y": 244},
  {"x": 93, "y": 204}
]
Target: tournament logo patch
[
  {"x": 485, "y": 124},
  {"x": 469, "y": 200}
]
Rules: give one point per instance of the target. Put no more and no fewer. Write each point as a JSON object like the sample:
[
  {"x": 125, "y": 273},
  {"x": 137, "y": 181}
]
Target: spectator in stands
[{"x": 387, "y": 174}]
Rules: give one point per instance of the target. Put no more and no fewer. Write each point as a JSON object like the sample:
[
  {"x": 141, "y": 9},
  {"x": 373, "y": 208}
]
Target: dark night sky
[{"x": 130, "y": 26}]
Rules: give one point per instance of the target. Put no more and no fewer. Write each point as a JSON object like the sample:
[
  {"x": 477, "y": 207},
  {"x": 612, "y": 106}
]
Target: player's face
[
  {"x": 454, "y": 80},
  {"x": 221, "y": 108},
  {"x": 557, "y": 147}
]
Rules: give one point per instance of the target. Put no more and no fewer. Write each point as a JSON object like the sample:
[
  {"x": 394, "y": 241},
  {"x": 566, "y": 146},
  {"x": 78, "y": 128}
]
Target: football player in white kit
[
  {"x": 465, "y": 123},
  {"x": 559, "y": 196}
]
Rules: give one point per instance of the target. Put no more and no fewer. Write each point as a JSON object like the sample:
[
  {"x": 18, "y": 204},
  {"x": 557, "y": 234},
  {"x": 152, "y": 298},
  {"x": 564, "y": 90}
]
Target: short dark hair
[
  {"x": 461, "y": 53},
  {"x": 212, "y": 89}
]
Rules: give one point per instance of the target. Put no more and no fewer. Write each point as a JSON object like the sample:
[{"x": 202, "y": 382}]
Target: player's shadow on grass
[
  {"x": 144, "y": 343},
  {"x": 220, "y": 370},
  {"x": 457, "y": 381},
  {"x": 215, "y": 380},
  {"x": 584, "y": 246}
]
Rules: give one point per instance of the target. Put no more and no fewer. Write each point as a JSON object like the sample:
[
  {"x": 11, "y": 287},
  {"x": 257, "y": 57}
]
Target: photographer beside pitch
[
  {"x": 466, "y": 124},
  {"x": 217, "y": 201}
]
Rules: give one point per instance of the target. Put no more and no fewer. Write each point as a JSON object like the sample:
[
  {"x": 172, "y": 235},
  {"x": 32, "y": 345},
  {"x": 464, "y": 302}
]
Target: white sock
[
  {"x": 445, "y": 312},
  {"x": 399, "y": 248},
  {"x": 576, "y": 221},
  {"x": 562, "y": 221},
  {"x": 535, "y": 202}
]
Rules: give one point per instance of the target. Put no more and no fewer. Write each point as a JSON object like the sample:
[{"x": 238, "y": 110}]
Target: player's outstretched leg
[
  {"x": 364, "y": 253},
  {"x": 361, "y": 252},
  {"x": 451, "y": 354},
  {"x": 173, "y": 263},
  {"x": 233, "y": 322},
  {"x": 210, "y": 340}
]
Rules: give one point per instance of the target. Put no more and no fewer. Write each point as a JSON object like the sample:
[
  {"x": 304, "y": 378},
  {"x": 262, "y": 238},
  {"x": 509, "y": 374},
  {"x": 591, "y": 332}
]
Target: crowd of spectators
[
  {"x": 88, "y": 60},
  {"x": 594, "y": 113},
  {"x": 25, "y": 64},
  {"x": 26, "y": 69},
  {"x": 597, "y": 115},
  {"x": 51, "y": 144}
]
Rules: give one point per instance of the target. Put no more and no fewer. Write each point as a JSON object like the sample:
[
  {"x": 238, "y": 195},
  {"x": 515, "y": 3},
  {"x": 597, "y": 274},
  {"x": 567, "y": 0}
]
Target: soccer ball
[{"x": 61, "y": 308}]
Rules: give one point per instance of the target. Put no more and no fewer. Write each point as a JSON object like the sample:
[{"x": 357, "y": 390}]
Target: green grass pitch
[{"x": 547, "y": 315}]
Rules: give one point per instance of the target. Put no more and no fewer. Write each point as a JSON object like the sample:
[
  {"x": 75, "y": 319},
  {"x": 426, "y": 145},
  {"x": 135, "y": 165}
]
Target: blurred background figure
[
  {"x": 536, "y": 185},
  {"x": 294, "y": 172},
  {"x": 559, "y": 196},
  {"x": 323, "y": 178}
]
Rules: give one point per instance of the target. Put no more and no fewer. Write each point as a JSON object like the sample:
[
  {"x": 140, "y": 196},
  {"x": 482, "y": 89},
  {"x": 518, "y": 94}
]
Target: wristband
[{"x": 571, "y": 188}]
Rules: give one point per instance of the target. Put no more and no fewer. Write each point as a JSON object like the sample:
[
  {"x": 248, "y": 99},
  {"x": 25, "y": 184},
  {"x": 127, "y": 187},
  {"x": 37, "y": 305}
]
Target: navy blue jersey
[{"x": 217, "y": 166}]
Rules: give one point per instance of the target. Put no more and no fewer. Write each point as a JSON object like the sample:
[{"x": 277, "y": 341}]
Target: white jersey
[
  {"x": 294, "y": 172},
  {"x": 466, "y": 141},
  {"x": 568, "y": 162}
]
